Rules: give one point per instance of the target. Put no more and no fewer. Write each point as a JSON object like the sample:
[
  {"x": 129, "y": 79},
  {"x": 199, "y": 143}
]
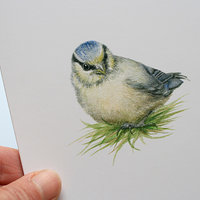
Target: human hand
[{"x": 40, "y": 185}]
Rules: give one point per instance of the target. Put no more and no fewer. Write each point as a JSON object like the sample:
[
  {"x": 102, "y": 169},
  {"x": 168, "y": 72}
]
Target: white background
[{"x": 37, "y": 39}]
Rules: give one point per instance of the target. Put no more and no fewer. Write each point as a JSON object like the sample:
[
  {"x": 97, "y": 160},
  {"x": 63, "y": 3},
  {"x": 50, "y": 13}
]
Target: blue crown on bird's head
[{"x": 89, "y": 51}]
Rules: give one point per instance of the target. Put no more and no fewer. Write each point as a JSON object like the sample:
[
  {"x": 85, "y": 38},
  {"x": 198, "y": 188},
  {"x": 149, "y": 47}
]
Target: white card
[{"x": 38, "y": 39}]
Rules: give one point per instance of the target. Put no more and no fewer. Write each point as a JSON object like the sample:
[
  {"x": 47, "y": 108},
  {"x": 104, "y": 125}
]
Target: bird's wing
[{"x": 157, "y": 82}]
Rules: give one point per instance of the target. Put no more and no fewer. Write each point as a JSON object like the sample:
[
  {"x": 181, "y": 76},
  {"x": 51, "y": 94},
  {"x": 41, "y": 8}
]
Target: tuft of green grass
[{"x": 104, "y": 135}]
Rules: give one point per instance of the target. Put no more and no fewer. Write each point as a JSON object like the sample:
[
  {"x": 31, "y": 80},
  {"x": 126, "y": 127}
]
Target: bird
[{"x": 118, "y": 90}]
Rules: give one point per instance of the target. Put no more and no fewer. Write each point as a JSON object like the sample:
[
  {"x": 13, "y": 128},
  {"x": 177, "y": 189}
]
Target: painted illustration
[{"x": 125, "y": 97}]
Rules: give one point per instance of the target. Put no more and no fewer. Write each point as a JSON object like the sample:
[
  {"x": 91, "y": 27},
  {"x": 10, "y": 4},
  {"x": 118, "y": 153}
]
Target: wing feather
[{"x": 158, "y": 82}]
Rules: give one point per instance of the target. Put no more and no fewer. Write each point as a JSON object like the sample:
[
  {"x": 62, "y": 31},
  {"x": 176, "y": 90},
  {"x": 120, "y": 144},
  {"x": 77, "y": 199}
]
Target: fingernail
[{"x": 49, "y": 183}]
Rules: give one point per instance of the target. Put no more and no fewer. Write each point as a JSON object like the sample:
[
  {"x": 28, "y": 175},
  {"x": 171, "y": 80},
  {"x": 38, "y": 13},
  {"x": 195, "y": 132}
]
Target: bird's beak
[{"x": 101, "y": 69}]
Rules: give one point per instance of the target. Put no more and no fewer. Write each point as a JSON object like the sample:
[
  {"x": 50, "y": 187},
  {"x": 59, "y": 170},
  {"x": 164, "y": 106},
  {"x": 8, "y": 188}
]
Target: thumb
[{"x": 41, "y": 185}]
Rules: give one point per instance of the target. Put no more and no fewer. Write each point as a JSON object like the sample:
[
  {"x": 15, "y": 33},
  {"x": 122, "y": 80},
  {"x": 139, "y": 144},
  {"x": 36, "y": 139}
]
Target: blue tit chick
[{"x": 118, "y": 90}]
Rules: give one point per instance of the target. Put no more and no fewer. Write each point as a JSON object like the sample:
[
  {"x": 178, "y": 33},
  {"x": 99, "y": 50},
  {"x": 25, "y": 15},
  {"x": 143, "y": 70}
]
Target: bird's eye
[{"x": 88, "y": 67}]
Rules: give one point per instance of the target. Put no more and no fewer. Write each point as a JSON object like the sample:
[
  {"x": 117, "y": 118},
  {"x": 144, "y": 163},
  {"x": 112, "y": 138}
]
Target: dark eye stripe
[{"x": 86, "y": 67}]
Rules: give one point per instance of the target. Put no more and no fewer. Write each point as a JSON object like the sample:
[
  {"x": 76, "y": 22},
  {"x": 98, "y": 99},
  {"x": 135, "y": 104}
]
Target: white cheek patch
[
  {"x": 79, "y": 69},
  {"x": 86, "y": 76}
]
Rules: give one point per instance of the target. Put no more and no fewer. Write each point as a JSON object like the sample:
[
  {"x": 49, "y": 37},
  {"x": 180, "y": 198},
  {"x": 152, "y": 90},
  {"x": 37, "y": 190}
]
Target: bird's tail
[{"x": 180, "y": 76}]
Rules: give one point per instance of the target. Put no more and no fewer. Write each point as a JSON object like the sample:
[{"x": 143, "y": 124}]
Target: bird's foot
[{"x": 132, "y": 125}]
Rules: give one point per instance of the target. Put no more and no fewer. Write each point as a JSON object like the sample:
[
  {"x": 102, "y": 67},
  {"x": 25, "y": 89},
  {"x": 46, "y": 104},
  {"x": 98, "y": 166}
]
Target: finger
[
  {"x": 42, "y": 185},
  {"x": 10, "y": 165}
]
